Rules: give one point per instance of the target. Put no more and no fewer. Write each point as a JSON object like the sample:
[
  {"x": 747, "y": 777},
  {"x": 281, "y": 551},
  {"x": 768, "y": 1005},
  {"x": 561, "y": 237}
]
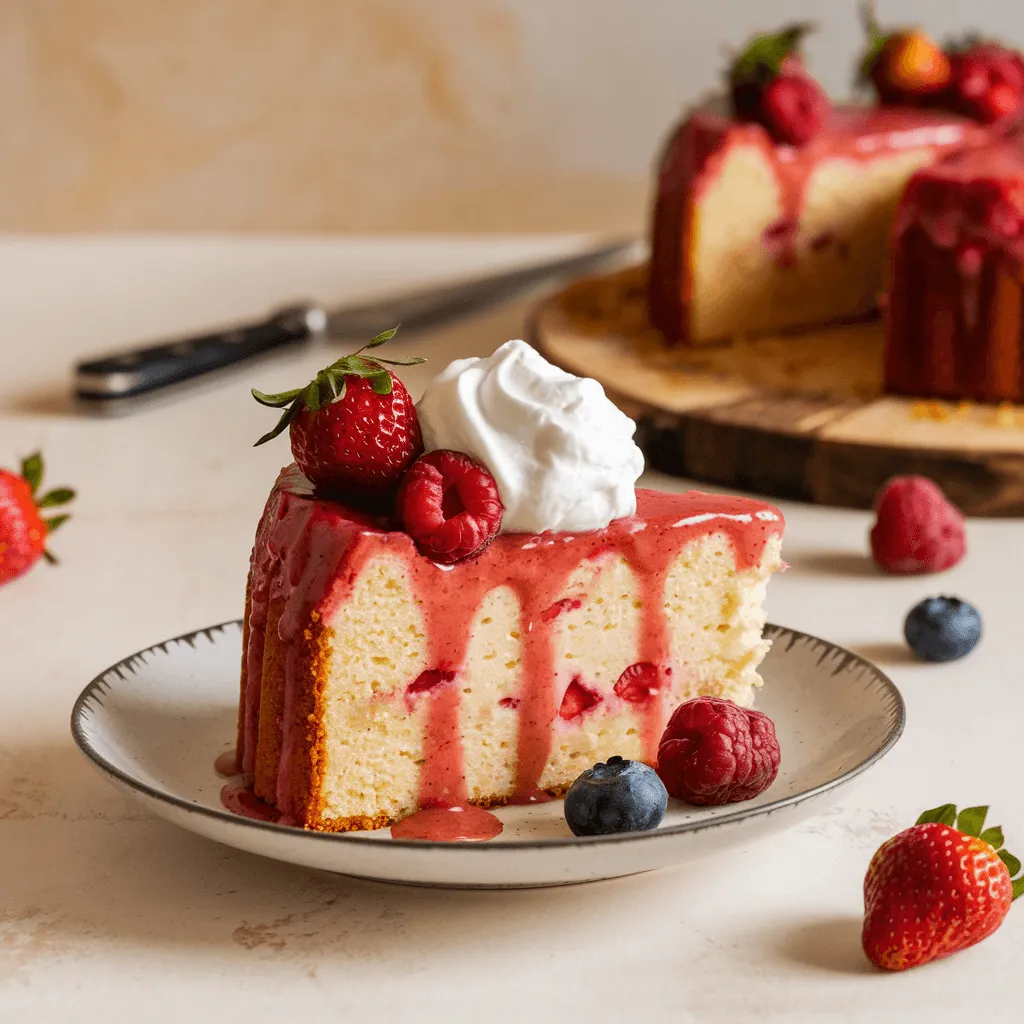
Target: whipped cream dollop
[{"x": 561, "y": 453}]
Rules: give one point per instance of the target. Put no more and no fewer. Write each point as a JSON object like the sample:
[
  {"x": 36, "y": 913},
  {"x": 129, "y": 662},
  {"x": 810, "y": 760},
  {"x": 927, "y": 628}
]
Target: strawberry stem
[{"x": 876, "y": 41}]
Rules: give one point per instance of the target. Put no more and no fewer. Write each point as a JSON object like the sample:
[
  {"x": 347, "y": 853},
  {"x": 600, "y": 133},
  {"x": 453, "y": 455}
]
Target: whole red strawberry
[
  {"x": 917, "y": 529},
  {"x": 23, "y": 531},
  {"x": 770, "y": 86},
  {"x": 987, "y": 82},
  {"x": 906, "y": 66},
  {"x": 354, "y": 429},
  {"x": 936, "y": 888}
]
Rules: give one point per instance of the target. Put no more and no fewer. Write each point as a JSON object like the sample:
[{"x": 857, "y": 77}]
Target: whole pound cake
[
  {"x": 381, "y": 675},
  {"x": 776, "y": 211}
]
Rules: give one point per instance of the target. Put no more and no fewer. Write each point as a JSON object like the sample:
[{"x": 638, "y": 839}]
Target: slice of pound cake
[{"x": 518, "y": 613}]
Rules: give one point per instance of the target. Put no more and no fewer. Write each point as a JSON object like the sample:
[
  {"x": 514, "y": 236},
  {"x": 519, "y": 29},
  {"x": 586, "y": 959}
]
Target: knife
[{"x": 107, "y": 381}]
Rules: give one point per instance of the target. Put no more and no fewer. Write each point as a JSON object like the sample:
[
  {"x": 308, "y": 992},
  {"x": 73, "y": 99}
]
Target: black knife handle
[{"x": 141, "y": 370}]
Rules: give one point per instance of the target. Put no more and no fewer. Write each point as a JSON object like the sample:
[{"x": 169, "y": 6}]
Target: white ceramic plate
[{"x": 155, "y": 723}]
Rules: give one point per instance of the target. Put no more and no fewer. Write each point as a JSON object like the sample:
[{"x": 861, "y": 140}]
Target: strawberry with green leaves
[
  {"x": 23, "y": 530},
  {"x": 938, "y": 887},
  {"x": 770, "y": 86},
  {"x": 353, "y": 428}
]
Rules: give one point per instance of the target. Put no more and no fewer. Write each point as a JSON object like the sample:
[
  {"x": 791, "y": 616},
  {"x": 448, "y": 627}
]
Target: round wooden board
[{"x": 801, "y": 416}]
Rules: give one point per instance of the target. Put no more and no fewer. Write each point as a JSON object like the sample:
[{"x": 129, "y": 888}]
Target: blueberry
[
  {"x": 620, "y": 796},
  {"x": 942, "y": 628}
]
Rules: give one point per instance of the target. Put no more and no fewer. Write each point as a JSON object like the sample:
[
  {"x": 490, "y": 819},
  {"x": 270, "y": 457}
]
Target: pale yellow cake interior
[
  {"x": 373, "y": 744},
  {"x": 740, "y": 286}
]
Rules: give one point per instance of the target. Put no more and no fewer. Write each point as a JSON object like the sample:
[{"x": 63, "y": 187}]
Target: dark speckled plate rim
[{"x": 128, "y": 665}]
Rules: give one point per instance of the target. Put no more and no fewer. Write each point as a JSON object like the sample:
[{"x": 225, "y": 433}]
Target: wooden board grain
[{"x": 800, "y": 416}]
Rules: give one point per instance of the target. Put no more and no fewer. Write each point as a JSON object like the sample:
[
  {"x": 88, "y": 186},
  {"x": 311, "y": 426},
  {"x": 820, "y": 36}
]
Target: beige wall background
[{"x": 375, "y": 115}]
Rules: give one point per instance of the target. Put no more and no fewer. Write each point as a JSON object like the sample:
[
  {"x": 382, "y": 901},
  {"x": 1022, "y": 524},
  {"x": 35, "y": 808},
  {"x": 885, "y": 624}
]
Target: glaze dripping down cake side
[
  {"x": 954, "y": 315},
  {"x": 375, "y": 681}
]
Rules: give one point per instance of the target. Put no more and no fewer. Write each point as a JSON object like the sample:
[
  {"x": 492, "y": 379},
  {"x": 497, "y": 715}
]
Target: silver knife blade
[
  {"x": 428, "y": 307},
  {"x": 117, "y": 382}
]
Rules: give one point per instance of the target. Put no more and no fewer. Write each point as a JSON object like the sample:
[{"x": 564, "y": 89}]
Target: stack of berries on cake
[{"x": 468, "y": 601}]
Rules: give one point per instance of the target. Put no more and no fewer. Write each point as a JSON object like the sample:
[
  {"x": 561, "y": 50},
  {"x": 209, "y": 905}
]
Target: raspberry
[
  {"x": 917, "y": 530},
  {"x": 794, "y": 108},
  {"x": 426, "y": 682},
  {"x": 715, "y": 752},
  {"x": 449, "y": 504},
  {"x": 987, "y": 82},
  {"x": 638, "y": 683}
]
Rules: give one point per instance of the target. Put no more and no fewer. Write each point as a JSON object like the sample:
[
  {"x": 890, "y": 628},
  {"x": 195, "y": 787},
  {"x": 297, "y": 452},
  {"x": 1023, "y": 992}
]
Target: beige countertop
[{"x": 107, "y": 914}]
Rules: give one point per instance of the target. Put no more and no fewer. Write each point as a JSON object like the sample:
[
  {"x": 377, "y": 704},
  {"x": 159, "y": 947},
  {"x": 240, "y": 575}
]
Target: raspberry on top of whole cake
[
  {"x": 466, "y": 602},
  {"x": 777, "y": 213}
]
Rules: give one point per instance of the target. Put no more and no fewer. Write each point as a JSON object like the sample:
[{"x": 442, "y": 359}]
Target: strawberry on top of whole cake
[
  {"x": 467, "y": 602},
  {"x": 774, "y": 212}
]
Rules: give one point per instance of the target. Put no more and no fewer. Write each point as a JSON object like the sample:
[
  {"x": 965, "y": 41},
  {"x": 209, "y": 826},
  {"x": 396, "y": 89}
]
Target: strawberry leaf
[
  {"x": 762, "y": 60},
  {"x": 358, "y": 365},
  {"x": 58, "y": 496},
  {"x": 32, "y": 470},
  {"x": 993, "y": 836},
  {"x": 411, "y": 361},
  {"x": 51, "y": 559},
  {"x": 971, "y": 820},
  {"x": 944, "y": 815},
  {"x": 876, "y": 42},
  {"x": 1018, "y": 886},
  {"x": 381, "y": 383},
  {"x": 311, "y": 396},
  {"x": 54, "y": 522},
  {"x": 1011, "y": 862},
  {"x": 381, "y": 338},
  {"x": 283, "y": 422},
  {"x": 278, "y": 401}
]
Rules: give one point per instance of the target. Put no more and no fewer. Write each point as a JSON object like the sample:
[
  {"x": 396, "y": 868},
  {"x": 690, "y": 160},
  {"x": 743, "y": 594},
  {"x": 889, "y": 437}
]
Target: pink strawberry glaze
[
  {"x": 226, "y": 765},
  {"x": 448, "y": 825},
  {"x": 309, "y": 552},
  {"x": 958, "y": 240},
  {"x": 239, "y": 798},
  {"x": 695, "y": 153}
]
